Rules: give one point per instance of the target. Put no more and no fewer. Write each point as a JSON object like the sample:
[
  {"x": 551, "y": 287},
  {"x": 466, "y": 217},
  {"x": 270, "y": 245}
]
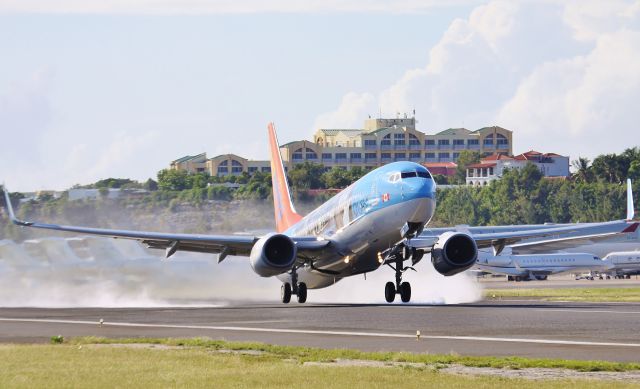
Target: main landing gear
[{"x": 295, "y": 287}]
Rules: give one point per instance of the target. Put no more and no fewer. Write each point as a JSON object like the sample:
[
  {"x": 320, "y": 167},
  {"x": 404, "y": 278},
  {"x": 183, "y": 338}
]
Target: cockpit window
[
  {"x": 394, "y": 177},
  {"x": 424, "y": 174},
  {"x": 408, "y": 174}
]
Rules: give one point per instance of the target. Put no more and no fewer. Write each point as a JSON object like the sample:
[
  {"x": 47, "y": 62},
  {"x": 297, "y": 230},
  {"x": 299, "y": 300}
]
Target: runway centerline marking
[
  {"x": 322, "y": 332},
  {"x": 569, "y": 310}
]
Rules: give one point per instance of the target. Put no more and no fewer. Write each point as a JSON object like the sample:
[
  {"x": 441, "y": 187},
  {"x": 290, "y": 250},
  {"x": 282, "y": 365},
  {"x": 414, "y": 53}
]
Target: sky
[{"x": 119, "y": 88}]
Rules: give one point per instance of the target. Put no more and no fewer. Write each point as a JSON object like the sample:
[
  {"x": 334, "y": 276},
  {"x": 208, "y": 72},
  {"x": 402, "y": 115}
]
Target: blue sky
[{"x": 90, "y": 90}]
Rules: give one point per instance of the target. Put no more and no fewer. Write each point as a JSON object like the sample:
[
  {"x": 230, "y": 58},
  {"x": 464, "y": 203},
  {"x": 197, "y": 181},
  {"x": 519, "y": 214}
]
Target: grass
[
  {"x": 309, "y": 354},
  {"x": 197, "y": 364},
  {"x": 571, "y": 294}
]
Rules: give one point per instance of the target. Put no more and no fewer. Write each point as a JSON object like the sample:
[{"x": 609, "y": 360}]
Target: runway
[{"x": 605, "y": 331}]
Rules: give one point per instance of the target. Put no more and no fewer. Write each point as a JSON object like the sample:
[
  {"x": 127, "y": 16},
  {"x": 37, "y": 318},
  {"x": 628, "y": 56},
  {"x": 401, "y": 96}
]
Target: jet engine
[
  {"x": 453, "y": 253},
  {"x": 273, "y": 254}
]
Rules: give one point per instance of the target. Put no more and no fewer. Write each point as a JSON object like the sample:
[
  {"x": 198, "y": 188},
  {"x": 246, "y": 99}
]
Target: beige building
[{"x": 380, "y": 141}]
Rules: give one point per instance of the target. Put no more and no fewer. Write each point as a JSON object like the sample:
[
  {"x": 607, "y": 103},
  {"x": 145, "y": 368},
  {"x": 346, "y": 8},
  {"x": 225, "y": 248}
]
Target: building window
[
  {"x": 369, "y": 142},
  {"x": 398, "y": 139},
  {"x": 296, "y": 156},
  {"x": 444, "y": 155},
  {"x": 473, "y": 142},
  {"x": 414, "y": 155},
  {"x": 223, "y": 169},
  {"x": 488, "y": 141},
  {"x": 430, "y": 142},
  {"x": 355, "y": 155},
  {"x": 470, "y": 173},
  {"x": 224, "y": 163},
  {"x": 341, "y": 155},
  {"x": 385, "y": 155},
  {"x": 430, "y": 155},
  {"x": 386, "y": 141},
  {"x": 236, "y": 169},
  {"x": 401, "y": 155},
  {"x": 490, "y": 171},
  {"x": 413, "y": 140},
  {"x": 265, "y": 169},
  {"x": 253, "y": 169},
  {"x": 236, "y": 163},
  {"x": 458, "y": 142},
  {"x": 456, "y": 156},
  {"x": 370, "y": 155},
  {"x": 502, "y": 140},
  {"x": 443, "y": 142},
  {"x": 326, "y": 155},
  {"x": 310, "y": 154}
]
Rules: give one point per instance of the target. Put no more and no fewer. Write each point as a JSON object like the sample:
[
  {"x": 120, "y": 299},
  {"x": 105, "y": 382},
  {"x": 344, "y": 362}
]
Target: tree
[
  {"x": 150, "y": 185},
  {"x": 582, "y": 171},
  {"x": 336, "y": 178},
  {"x": 173, "y": 180},
  {"x": 634, "y": 170},
  {"x": 466, "y": 158},
  {"x": 306, "y": 175}
]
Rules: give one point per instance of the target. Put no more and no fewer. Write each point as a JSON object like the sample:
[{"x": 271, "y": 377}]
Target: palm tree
[{"x": 582, "y": 170}]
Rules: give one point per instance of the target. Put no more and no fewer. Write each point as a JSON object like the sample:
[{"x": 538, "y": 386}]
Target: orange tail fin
[{"x": 286, "y": 215}]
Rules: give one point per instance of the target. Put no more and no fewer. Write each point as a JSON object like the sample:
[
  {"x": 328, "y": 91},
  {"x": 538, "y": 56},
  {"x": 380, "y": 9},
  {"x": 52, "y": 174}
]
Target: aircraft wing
[
  {"x": 566, "y": 234},
  {"x": 542, "y": 239},
  {"x": 222, "y": 245}
]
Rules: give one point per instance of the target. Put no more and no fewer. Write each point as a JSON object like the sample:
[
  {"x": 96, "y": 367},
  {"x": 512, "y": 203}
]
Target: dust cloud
[{"x": 100, "y": 272}]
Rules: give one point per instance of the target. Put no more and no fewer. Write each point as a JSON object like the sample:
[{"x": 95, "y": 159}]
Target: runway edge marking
[{"x": 319, "y": 332}]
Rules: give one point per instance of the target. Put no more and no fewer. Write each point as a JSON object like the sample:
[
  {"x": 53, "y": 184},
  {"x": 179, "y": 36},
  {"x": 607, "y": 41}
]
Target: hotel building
[{"x": 380, "y": 141}]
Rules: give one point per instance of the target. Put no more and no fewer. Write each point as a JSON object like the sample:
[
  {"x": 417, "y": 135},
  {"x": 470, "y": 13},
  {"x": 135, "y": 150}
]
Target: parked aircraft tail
[
  {"x": 285, "y": 213},
  {"x": 630, "y": 209}
]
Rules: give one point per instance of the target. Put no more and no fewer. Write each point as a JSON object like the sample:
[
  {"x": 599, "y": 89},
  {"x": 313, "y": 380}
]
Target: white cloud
[
  {"x": 349, "y": 114},
  {"x": 564, "y": 76},
  {"x": 223, "y": 6}
]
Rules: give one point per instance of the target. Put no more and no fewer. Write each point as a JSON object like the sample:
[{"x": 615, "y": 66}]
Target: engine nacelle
[
  {"x": 272, "y": 255},
  {"x": 455, "y": 252}
]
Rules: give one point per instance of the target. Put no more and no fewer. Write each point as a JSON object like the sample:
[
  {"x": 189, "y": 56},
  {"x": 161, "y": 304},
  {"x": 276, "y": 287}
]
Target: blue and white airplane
[{"x": 378, "y": 220}]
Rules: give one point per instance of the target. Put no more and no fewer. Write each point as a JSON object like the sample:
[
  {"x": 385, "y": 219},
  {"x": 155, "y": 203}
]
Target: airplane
[
  {"x": 538, "y": 266},
  {"x": 623, "y": 264},
  {"x": 378, "y": 220}
]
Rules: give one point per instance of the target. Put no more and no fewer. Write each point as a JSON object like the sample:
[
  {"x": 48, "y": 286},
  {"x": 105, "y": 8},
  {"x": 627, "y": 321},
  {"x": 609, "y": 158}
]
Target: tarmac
[{"x": 528, "y": 328}]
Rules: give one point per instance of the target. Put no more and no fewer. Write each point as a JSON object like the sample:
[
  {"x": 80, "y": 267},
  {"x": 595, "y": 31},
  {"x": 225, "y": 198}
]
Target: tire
[
  {"x": 518, "y": 278},
  {"x": 405, "y": 292},
  {"x": 285, "y": 293},
  {"x": 509, "y": 278},
  {"x": 302, "y": 292},
  {"x": 389, "y": 292}
]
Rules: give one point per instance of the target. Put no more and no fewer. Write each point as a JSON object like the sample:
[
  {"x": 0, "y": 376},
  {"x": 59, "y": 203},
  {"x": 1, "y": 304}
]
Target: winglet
[
  {"x": 630, "y": 209},
  {"x": 286, "y": 215},
  {"x": 12, "y": 215}
]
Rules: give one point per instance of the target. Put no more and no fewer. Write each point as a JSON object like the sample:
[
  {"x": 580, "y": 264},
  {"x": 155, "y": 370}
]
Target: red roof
[
  {"x": 532, "y": 154},
  {"x": 495, "y": 157},
  {"x": 439, "y": 164},
  {"x": 481, "y": 165}
]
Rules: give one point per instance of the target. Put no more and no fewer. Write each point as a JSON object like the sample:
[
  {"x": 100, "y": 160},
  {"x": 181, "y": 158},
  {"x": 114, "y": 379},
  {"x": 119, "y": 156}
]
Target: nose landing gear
[
  {"x": 295, "y": 287},
  {"x": 401, "y": 288}
]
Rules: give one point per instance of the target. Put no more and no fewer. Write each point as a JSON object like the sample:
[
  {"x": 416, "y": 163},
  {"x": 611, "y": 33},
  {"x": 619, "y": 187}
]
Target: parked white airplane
[
  {"x": 623, "y": 264},
  {"x": 538, "y": 266},
  {"x": 378, "y": 220}
]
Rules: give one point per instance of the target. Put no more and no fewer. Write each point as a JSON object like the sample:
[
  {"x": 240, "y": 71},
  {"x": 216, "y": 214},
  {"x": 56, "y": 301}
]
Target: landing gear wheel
[
  {"x": 302, "y": 292},
  {"x": 390, "y": 292},
  {"x": 405, "y": 292},
  {"x": 285, "y": 293}
]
